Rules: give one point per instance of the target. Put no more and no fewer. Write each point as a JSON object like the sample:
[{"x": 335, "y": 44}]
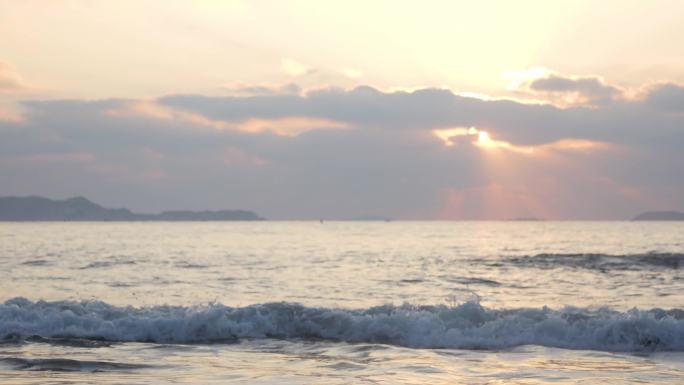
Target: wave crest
[{"x": 465, "y": 326}]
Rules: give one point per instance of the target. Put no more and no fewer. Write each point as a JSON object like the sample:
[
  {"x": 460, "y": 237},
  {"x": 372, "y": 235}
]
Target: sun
[{"x": 484, "y": 140}]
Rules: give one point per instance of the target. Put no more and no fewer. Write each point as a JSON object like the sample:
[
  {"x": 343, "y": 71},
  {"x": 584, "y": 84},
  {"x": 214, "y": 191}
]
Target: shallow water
[{"x": 342, "y": 302}]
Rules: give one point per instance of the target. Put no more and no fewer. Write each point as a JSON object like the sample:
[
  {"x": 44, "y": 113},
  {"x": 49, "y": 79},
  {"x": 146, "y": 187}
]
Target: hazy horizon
[{"x": 369, "y": 217}]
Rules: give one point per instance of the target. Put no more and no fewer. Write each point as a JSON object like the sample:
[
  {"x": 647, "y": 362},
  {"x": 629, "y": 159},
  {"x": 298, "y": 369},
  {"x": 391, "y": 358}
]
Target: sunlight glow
[
  {"x": 482, "y": 139},
  {"x": 519, "y": 79},
  {"x": 479, "y": 138},
  {"x": 450, "y": 135},
  {"x": 287, "y": 126}
]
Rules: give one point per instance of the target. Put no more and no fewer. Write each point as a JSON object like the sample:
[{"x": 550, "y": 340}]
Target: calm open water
[{"x": 342, "y": 302}]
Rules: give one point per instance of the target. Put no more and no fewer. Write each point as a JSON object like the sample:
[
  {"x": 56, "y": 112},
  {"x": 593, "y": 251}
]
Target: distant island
[
  {"x": 35, "y": 208},
  {"x": 660, "y": 216}
]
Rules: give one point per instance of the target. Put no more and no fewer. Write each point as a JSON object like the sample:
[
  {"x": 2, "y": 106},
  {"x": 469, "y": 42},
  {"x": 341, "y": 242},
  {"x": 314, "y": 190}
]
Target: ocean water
[{"x": 342, "y": 302}]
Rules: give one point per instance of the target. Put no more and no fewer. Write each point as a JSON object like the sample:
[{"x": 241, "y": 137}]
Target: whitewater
[{"x": 342, "y": 302}]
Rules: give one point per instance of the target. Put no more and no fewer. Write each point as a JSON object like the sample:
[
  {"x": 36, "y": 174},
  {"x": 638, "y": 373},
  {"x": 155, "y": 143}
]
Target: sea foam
[{"x": 465, "y": 326}]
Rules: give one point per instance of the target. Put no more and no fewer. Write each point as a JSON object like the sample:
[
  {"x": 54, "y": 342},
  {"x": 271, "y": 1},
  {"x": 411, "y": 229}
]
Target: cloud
[
  {"x": 429, "y": 109},
  {"x": 9, "y": 115},
  {"x": 69, "y": 157},
  {"x": 10, "y": 80},
  {"x": 564, "y": 90},
  {"x": 454, "y": 135},
  {"x": 282, "y": 126},
  {"x": 289, "y": 126},
  {"x": 577, "y": 90},
  {"x": 242, "y": 89},
  {"x": 667, "y": 97},
  {"x": 342, "y": 153},
  {"x": 294, "y": 68}
]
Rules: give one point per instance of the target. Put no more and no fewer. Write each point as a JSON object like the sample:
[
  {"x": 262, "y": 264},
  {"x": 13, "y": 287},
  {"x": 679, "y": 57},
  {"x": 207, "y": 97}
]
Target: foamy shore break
[{"x": 465, "y": 326}]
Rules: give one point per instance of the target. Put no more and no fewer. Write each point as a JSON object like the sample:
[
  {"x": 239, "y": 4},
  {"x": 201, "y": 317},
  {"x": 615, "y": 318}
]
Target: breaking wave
[{"x": 465, "y": 326}]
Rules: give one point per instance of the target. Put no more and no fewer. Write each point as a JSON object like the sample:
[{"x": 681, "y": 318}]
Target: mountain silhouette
[{"x": 34, "y": 208}]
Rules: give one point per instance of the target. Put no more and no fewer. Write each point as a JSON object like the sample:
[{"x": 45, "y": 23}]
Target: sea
[{"x": 342, "y": 302}]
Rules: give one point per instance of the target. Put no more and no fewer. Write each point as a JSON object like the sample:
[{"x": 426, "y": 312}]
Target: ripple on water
[
  {"x": 68, "y": 365},
  {"x": 36, "y": 262},
  {"x": 189, "y": 265},
  {"x": 470, "y": 280},
  {"x": 104, "y": 264}
]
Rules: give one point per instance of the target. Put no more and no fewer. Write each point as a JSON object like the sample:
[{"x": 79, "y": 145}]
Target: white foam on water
[{"x": 465, "y": 326}]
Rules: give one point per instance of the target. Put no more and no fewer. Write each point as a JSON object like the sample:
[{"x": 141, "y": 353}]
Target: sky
[{"x": 449, "y": 110}]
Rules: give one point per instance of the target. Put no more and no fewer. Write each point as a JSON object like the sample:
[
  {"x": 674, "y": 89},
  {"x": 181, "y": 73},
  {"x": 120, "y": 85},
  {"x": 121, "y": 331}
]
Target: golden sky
[{"x": 152, "y": 47}]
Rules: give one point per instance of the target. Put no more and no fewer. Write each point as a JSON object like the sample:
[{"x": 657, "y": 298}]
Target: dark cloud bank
[{"x": 375, "y": 153}]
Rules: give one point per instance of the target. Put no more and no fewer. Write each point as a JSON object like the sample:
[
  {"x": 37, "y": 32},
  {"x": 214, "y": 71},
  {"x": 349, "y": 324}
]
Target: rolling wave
[
  {"x": 465, "y": 326},
  {"x": 597, "y": 261}
]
